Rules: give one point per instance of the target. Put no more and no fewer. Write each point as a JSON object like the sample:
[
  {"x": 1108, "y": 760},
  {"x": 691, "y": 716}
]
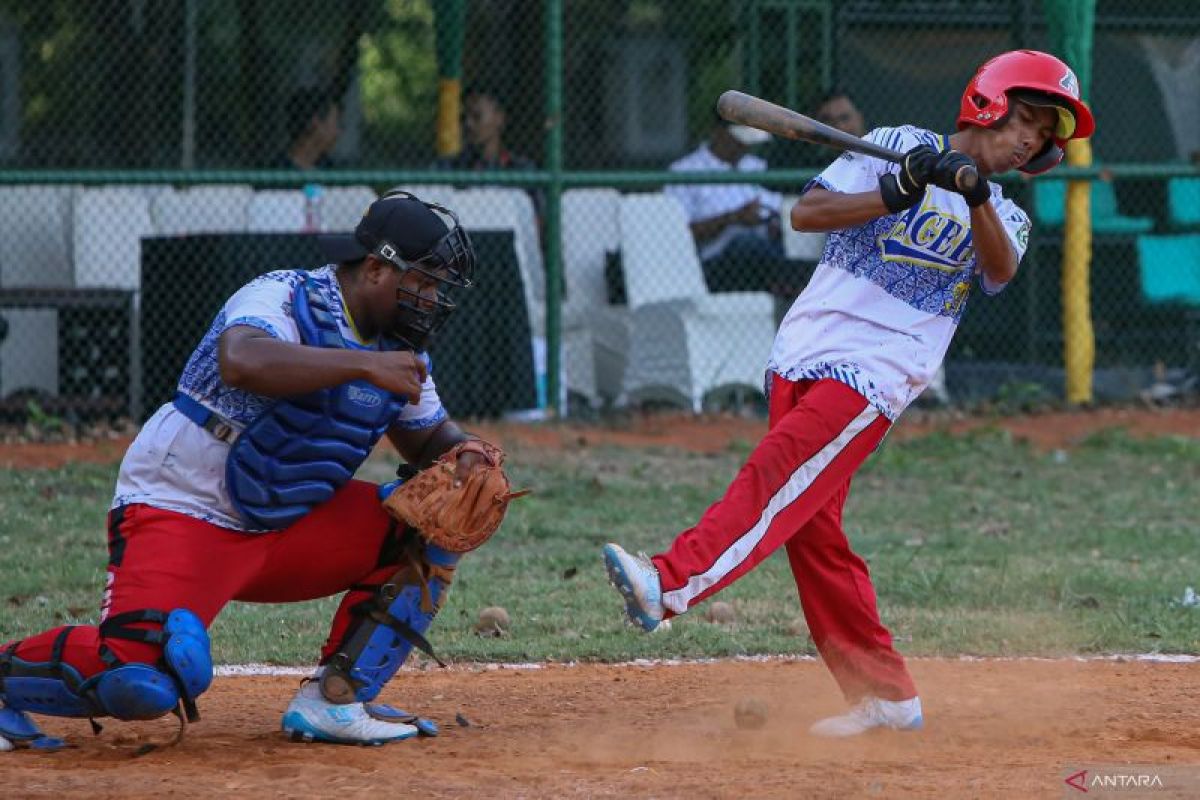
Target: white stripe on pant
[{"x": 797, "y": 483}]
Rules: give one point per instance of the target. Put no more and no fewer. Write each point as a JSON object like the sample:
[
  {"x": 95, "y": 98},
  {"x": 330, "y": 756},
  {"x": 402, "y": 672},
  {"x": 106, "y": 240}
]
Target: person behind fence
[
  {"x": 858, "y": 345},
  {"x": 837, "y": 110},
  {"x": 736, "y": 225},
  {"x": 485, "y": 121},
  {"x": 314, "y": 123},
  {"x": 240, "y": 489}
]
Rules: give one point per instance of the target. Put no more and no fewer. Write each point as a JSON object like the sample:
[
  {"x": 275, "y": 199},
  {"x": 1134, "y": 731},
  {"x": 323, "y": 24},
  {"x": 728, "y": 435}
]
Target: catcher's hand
[{"x": 459, "y": 501}]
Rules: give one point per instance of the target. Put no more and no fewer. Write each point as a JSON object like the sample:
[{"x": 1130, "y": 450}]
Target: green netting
[{"x": 152, "y": 161}]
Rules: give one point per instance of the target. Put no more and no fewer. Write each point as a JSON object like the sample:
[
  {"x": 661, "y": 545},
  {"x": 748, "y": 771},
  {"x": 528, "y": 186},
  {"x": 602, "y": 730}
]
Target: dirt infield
[
  {"x": 994, "y": 729},
  {"x": 703, "y": 433}
]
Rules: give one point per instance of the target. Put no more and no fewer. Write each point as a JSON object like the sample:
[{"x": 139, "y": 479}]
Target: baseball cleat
[
  {"x": 872, "y": 712},
  {"x": 637, "y": 580},
  {"x": 312, "y": 718}
]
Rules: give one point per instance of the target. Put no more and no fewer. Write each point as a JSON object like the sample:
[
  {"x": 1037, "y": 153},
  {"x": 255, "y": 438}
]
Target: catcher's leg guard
[
  {"x": 124, "y": 691},
  {"x": 18, "y": 730},
  {"x": 390, "y": 625}
]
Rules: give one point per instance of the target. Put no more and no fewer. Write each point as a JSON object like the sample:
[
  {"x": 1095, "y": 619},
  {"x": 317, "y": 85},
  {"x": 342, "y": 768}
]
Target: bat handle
[{"x": 966, "y": 179}]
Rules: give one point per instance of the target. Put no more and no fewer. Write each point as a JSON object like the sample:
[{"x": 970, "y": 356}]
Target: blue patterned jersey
[
  {"x": 887, "y": 296},
  {"x": 176, "y": 465}
]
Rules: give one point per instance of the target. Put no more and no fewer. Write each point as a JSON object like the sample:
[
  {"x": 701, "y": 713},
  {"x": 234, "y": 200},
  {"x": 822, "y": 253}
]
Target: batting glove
[
  {"x": 945, "y": 175},
  {"x": 904, "y": 189}
]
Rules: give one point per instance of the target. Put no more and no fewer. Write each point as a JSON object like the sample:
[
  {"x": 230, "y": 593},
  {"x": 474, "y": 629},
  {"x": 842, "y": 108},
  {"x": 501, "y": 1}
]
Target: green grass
[{"x": 978, "y": 545}]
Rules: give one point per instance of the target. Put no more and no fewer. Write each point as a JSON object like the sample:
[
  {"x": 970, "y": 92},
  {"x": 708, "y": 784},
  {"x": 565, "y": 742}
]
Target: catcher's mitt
[{"x": 453, "y": 518}]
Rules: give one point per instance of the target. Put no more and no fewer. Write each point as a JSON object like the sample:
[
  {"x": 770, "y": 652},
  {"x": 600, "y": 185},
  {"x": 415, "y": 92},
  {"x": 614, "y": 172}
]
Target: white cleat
[
  {"x": 637, "y": 580},
  {"x": 312, "y": 718},
  {"x": 6, "y": 745},
  {"x": 871, "y": 712}
]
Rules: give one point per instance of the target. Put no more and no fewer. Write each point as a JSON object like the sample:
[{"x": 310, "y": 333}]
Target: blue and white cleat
[
  {"x": 872, "y": 712},
  {"x": 18, "y": 730},
  {"x": 312, "y": 718},
  {"x": 637, "y": 580}
]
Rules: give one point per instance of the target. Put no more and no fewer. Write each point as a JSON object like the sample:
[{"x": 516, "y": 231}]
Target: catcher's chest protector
[{"x": 303, "y": 449}]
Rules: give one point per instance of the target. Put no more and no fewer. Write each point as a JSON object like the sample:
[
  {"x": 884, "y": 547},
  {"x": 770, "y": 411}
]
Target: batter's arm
[
  {"x": 993, "y": 250},
  {"x": 820, "y": 210}
]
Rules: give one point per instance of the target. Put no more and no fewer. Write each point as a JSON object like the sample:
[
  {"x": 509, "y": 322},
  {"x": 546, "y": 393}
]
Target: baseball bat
[{"x": 746, "y": 109}]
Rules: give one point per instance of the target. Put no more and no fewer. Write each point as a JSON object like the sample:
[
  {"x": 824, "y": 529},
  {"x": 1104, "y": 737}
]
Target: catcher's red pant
[
  {"x": 166, "y": 560},
  {"x": 790, "y": 493}
]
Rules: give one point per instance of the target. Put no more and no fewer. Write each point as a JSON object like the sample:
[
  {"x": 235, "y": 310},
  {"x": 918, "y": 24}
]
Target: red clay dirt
[
  {"x": 709, "y": 434},
  {"x": 994, "y": 729}
]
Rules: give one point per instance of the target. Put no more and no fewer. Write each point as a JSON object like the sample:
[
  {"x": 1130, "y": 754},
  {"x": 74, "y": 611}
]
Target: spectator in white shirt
[{"x": 735, "y": 225}]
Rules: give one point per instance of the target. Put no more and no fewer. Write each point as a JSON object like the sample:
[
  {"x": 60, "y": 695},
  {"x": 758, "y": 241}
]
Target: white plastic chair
[
  {"x": 595, "y": 334},
  {"x": 802, "y": 245},
  {"x": 444, "y": 194},
  {"x": 343, "y": 206},
  {"x": 511, "y": 209},
  {"x": 35, "y": 250},
  {"x": 108, "y": 224},
  {"x": 29, "y": 351},
  {"x": 685, "y": 342},
  {"x": 35, "y": 236},
  {"x": 276, "y": 211},
  {"x": 492, "y": 209},
  {"x": 201, "y": 209}
]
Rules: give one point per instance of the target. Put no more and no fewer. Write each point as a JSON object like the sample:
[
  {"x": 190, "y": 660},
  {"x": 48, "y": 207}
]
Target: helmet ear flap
[{"x": 1050, "y": 157}]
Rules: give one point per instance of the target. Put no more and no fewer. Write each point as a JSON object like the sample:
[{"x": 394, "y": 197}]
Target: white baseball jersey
[
  {"x": 175, "y": 464},
  {"x": 887, "y": 296},
  {"x": 707, "y": 200}
]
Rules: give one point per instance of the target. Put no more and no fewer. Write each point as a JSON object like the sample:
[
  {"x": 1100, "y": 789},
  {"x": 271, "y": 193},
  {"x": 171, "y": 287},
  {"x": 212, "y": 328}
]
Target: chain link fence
[{"x": 157, "y": 155}]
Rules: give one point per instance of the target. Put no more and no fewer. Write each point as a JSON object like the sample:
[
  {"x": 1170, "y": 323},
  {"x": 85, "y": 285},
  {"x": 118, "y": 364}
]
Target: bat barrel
[{"x": 745, "y": 109}]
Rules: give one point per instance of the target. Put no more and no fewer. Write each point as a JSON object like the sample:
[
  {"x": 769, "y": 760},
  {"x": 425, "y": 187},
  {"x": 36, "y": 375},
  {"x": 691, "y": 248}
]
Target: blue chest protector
[{"x": 303, "y": 449}]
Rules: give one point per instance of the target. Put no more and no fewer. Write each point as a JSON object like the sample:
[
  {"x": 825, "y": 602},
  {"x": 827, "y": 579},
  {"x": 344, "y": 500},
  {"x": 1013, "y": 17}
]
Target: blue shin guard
[
  {"x": 390, "y": 625},
  {"x": 20, "y": 731},
  {"x": 125, "y": 691}
]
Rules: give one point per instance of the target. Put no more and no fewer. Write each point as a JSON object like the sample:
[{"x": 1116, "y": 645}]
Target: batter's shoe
[
  {"x": 871, "y": 712},
  {"x": 637, "y": 580},
  {"x": 312, "y": 718}
]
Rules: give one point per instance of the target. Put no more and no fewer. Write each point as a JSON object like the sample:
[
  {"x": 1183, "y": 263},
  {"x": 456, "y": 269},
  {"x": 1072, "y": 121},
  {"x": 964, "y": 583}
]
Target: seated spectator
[
  {"x": 484, "y": 123},
  {"x": 313, "y": 125},
  {"x": 837, "y": 110},
  {"x": 735, "y": 225}
]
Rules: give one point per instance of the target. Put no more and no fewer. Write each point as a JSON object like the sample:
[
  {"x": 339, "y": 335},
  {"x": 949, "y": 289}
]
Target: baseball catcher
[{"x": 241, "y": 488}]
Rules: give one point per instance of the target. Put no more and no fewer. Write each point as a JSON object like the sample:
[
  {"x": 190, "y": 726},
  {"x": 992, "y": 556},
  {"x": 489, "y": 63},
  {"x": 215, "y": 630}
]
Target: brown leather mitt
[{"x": 456, "y": 518}]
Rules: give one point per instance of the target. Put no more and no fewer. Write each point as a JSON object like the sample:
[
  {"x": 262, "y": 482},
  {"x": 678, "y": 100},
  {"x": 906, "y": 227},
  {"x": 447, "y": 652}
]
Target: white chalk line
[{"x": 254, "y": 670}]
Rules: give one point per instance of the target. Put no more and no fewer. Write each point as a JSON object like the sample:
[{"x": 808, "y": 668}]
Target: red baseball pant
[
  {"x": 790, "y": 493},
  {"x": 166, "y": 560}
]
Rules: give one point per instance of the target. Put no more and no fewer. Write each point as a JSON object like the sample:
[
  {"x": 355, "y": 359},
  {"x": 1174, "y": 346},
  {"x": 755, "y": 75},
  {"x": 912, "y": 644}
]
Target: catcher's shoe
[
  {"x": 637, "y": 580},
  {"x": 312, "y": 718},
  {"x": 17, "y": 729},
  {"x": 871, "y": 712}
]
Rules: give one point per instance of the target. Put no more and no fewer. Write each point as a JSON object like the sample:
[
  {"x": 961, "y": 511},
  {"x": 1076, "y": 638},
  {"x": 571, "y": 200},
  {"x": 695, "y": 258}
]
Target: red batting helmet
[{"x": 985, "y": 103}]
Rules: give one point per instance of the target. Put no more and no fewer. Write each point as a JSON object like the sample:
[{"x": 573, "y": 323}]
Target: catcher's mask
[{"x": 410, "y": 234}]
